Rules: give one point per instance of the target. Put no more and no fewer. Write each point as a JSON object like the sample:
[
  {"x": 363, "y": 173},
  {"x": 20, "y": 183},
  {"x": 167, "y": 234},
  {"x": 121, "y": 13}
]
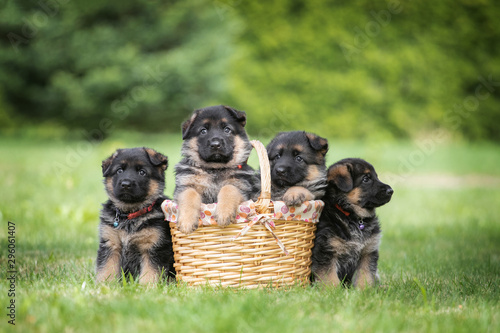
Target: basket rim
[{"x": 271, "y": 207}]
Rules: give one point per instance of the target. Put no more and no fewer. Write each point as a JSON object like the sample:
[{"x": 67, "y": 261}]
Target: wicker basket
[{"x": 211, "y": 255}]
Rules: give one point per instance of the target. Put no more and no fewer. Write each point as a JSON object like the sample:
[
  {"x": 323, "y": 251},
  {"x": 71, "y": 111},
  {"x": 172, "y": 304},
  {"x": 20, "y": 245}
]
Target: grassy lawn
[{"x": 439, "y": 260}]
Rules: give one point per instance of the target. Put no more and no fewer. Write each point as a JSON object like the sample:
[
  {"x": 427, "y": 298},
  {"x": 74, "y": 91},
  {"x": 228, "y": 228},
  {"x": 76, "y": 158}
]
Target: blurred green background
[{"x": 359, "y": 69}]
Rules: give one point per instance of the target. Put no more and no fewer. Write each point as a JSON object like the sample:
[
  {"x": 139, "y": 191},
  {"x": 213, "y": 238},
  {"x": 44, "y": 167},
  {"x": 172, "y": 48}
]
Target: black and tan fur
[
  {"x": 141, "y": 245},
  {"x": 214, "y": 166},
  {"x": 348, "y": 233},
  {"x": 298, "y": 170}
]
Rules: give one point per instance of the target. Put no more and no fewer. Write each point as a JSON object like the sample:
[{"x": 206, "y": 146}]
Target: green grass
[{"x": 439, "y": 258}]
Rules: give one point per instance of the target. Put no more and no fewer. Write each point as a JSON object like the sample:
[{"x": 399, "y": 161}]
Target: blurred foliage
[
  {"x": 375, "y": 69},
  {"x": 119, "y": 63},
  {"x": 365, "y": 68}
]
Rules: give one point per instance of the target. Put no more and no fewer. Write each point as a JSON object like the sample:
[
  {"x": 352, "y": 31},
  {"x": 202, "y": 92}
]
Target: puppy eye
[
  {"x": 298, "y": 158},
  {"x": 120, "y": 170},
  {"x": 203, "y": 131},
  {"x": 227, "y": 130},
  {"x": 366, "y": 179},
  {"x": 277, "y": 156},
  {"x": 142, "y": 172}
]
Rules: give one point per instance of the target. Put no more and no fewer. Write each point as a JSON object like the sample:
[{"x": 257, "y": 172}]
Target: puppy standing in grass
[
  {"x": 134, "y": 237},
  {"x": 348, "y": 234},
  {"x": 298, "y": 170},
  {"x": 214, "y": 166}
]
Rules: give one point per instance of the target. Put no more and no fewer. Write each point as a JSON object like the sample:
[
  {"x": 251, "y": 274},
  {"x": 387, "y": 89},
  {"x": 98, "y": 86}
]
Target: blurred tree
[{"x": 91, "y": 64}]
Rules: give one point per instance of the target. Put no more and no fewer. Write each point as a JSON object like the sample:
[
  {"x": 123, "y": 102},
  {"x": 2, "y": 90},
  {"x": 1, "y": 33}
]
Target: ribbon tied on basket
[
  {"x": 253, "y": 218},
  {"x": 309, "y": 211}
]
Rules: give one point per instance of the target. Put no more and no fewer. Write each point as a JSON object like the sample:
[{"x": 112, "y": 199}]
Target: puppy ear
[
  {"x": 157, "y": 159},
  {"x": 318, "y": 143},
  {"x": 186, "y": 126},
  {"x": 106, "y": 164},
  {"x": 340, "y": 175},
  {"x": 240, "y": 116}
]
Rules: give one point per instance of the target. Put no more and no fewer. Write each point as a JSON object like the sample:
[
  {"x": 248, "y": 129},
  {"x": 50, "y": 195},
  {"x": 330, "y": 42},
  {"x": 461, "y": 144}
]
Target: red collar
[
  {"x": 343, "y": 211},
  {"x": 140, "y": 212}
]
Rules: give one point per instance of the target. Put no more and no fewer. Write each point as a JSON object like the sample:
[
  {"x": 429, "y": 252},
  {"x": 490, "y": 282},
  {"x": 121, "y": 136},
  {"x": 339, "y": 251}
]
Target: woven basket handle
[{"x": 264, "y": 200}]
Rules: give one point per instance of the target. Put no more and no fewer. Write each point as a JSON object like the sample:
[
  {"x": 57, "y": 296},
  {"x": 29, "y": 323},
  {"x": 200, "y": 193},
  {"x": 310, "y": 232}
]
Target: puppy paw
[
  {"x": 294, "y": 200},
  {"x": 296, "y": 195},
  {"x": 149, "y": 278},
  {"x": 225, "y": 215},
  {"x": 187, "y": 223},
  {"x": 229, "y": 198},
  {"x": 189, "y": 202},
  {"x": 187, "y": 227}
]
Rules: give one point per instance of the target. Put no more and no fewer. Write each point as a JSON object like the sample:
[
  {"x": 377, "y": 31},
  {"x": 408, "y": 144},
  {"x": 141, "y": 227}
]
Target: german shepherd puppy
[
  {"x": 214, "y": 166},
  {"x": 348, "y": 233},
  {"x": 298, "y": 170},
  {"x": 133, "y": 236}
]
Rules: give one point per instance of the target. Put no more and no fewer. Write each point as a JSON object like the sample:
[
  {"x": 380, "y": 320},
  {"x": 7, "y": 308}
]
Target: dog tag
[
  {"x": 117, "y": 219},
  {"x": 361, "y": 225}
]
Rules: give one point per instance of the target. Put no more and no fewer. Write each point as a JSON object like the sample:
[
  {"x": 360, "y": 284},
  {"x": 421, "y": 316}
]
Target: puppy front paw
[
  {"x": 296, "y": 195},
  {"x": 229, "y": 198},
  {"x": 188, "y": 222},
  {"x": 148, "y": 278},
  {"x": 225, "y": 214}
]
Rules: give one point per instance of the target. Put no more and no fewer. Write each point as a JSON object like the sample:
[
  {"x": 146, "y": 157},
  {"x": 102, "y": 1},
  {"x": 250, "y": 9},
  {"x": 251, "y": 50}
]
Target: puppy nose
[
  {"x": 389, "y": 191},
  {"x": 215, "y": 144},
  {"x": 126, "y": 184},
  {"x": 281, "y": 171}
]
